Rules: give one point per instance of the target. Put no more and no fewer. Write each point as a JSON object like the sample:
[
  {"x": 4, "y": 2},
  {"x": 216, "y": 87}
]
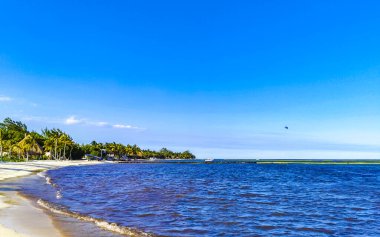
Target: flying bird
[{"x": 286, "y": 127}]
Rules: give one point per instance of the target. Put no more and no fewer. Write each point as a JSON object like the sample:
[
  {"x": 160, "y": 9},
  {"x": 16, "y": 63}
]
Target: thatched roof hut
[{"x": 29, "y": 145}]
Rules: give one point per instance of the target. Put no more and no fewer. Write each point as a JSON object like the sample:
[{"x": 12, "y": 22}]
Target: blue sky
[{"x": 221, "y": 78}]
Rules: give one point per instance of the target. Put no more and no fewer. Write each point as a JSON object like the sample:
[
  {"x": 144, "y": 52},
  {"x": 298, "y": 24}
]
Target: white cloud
[
  {"x": 72, "y": 120},
  {"x": 122, "y": 126},
  {"x": 100, "y": 124},
  {"x": 5, "y": 98}
]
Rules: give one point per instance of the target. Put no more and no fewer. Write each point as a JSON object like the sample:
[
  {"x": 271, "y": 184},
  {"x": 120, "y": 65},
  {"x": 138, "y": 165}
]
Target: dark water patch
[
  {"x": 266, "y": 203},
  {"x": 250, "y": 195},
  {"x": 229, "y": 223},
  {"x": 351, "y": 219},
  {"x": 279, "y": 214},
  {"x": 145, "y": 215},
  {"x": 317, "y": 230},
  {"x": 184, "y": 232},
  {"x": 357, "y": 209},
  {"x": 266, "y": 227}
]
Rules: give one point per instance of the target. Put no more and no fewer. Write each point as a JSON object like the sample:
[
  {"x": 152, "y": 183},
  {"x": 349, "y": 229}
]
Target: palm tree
[
  {"x": 9, "y": 144},
  {"x": 113, "y": 148},
  {"x": 16, "y": 148},
  {"x": 51, "y": 141},
  {"x": 136, "y": 150},
  {"x": 66, "y": 141},
  {"x": 1, "y": 142}
]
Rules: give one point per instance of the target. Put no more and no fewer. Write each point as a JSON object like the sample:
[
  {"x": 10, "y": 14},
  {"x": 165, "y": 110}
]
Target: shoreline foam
[{"x": 114, "y": 227}]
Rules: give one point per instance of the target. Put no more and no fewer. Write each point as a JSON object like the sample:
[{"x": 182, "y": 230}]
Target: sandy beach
[{"x": 18, "y": 216}]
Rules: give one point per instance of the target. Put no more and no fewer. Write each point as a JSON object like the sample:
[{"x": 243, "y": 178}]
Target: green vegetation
[{"x": 18, "y": 144}]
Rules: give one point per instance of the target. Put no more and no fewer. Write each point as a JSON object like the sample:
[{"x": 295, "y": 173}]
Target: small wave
[
  {"x": 99, "y": 222},
  {"x": 50, "y": 181},
  {"x": 41, "y": 174},
  {"x": 58, "y": 194}
]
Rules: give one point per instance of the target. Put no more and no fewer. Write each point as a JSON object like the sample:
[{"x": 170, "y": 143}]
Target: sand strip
[{"x": 18, "y": 216}]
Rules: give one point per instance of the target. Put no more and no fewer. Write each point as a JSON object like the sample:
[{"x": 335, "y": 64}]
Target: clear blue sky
[{"x": 221, "y": 78}]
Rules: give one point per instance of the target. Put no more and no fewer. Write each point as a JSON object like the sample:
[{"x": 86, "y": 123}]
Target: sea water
[{"x": 216, "y": 199}]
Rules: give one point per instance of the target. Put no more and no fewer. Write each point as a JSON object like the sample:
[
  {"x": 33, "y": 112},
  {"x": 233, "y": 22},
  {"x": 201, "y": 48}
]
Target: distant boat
[{"x": 209, "y": 160}]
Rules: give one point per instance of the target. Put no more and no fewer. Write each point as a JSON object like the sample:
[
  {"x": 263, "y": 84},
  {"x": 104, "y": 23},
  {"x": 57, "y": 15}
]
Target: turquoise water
[{"x": 220, "y": 199}]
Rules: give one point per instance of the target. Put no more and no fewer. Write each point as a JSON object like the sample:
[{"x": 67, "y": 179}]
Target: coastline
[{"x": 18, "y": 216}]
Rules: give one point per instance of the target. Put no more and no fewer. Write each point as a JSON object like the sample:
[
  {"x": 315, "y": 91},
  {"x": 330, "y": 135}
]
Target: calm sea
[{"x": 217, "y": 199}]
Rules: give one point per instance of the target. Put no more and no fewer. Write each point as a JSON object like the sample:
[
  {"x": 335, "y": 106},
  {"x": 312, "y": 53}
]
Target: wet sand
[{"x": 18, "y": 216}]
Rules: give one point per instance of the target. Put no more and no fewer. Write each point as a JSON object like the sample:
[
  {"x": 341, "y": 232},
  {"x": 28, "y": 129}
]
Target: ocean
[{"x": 212, "y": 199}]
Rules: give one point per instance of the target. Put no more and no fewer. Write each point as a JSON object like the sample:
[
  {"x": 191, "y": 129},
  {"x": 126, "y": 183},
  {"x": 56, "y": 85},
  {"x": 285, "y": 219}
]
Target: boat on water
[{"x": 209, "y": 160}]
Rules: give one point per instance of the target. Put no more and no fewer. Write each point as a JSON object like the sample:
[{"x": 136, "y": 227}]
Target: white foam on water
[
  {"x": 41, "y": 174},
  {"x": 100, "y": 223},
  {"x": 48, "y": 180},
  {"x": 58, "y": 194}
]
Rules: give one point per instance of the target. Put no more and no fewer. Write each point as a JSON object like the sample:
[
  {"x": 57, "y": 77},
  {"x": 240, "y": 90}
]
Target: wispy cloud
[
  {"x": 18, "y": 101},
  {"x": 100, "y": 124},
  {"x": 73, "y": 120},
  {"x": 41, "y": 119},
  {"x": 122, "y": 126},
  {"x": 5, "y": 98}
]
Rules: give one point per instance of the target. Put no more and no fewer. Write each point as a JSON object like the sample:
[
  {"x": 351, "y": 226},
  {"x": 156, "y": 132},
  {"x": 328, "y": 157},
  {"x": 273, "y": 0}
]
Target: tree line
[{"x": 17, "y": 143}]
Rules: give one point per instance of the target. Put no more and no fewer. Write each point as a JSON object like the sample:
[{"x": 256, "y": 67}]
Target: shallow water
[{"x": 221, "y": 199}]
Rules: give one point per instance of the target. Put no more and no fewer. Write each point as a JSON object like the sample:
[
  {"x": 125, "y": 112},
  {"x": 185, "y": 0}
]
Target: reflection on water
[{"x": 223, "y": 199}]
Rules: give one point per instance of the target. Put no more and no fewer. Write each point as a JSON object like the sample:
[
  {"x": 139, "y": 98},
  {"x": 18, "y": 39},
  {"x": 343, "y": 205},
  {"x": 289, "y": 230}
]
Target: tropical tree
[
  {"x": 166, "y": 153},
  {"x": 15, "y": 130},
  {"x": 186, "y": 155},
  {"x": 51, "y": 141},
  {"x": 66, "y": 142},
  {"x": 16, "y": 139},
  {"x": 76, "y": 152},
  {"x": 38, "y": 137},
  {"x": 95, "y": 148},
  {"x": 17, "y": 149},
  {"x": 11, "y": 132},
  {"x": 2, "y": 141},
  {"x": 136, "y": 150},
  {"x": 128, "y": 150}
]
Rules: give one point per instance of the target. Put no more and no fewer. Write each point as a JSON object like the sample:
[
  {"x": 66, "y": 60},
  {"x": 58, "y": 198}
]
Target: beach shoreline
[{"x": 18, "y": 216}]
